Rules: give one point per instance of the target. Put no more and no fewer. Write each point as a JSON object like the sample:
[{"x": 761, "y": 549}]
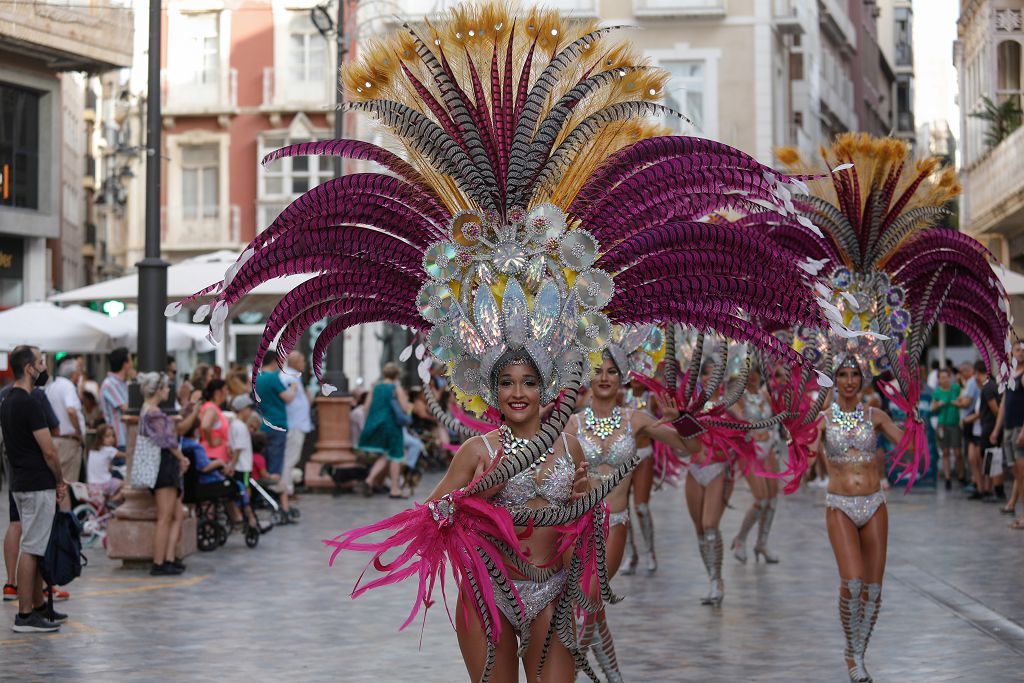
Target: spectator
[
  {"x": 947, "y": 428},
  {"x": 91, "y": 411},
  {"x": 383, "y": 432},
  {"x": 63, "y": 396},
  {"x": 114, "y": 393},
  {"x": 12, "y": 538},
  {"x": 161, "y": 430},
  {"x": 968, "y": 397},
  {"x": 239, "y": 383},
  {"x": 274, "y": 397},
  {"x": 213, "y": 424},
  {"x": 1011, "y": 420},
  {"x": 36, "y": 485},
  {"x": 197, "y": 382},
  {"x": 218, "y": 473},
  {"x": 300, "y": 421},
  {"x": 172, "y": 370},
  {"x": 357, "y": 418},
  {"x": 933, "y": 374},
  {"x": 100, "y": 471},
  {"x": 240, "y": 439},
  {"x": 984, "y": 420}
]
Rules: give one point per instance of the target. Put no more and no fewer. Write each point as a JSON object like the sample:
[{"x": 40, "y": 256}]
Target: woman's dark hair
[
  {"x": 200, "y": 376},
  {"x": 212, "y": 387}
]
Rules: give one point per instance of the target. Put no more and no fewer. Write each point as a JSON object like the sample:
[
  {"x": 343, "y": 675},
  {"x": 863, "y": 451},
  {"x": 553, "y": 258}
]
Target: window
[
  {"x": 19, "y": 147},
  {"x": 202, "y": 44},
  {"x": 686, "y": 94},
  {"x": 200, "y": 179},
  {"x": 307, "y": 49},
  {"x": 1008, "y": 65},
  {"x": 283, "y": 180}
]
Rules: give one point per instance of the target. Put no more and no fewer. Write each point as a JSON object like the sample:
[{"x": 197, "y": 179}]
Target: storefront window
[{"x": 19, "y": 147}]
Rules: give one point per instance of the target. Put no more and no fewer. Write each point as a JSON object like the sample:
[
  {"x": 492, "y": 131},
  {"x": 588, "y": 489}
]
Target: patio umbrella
[
  {"x": 52, "y": 329},
  {"x": 186, "y": 278},
  {"x": 123, "y": 330}
]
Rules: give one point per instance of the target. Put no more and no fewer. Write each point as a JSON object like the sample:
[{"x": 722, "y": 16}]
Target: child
[
  {"x": 217, "y": 473},
  {"x": 100, "y": 473}
]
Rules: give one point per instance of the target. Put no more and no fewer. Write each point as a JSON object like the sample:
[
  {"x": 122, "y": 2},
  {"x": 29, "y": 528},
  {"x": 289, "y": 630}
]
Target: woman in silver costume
[
  {"x": 611, "y": 436},
  {"x": 858, "y": 523},
  {"x": 755, "y": 405},
  {"x": 554, "y": 480}
]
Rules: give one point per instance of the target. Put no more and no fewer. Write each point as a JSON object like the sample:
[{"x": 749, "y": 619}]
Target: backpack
[{"x": 63, "y": 560}]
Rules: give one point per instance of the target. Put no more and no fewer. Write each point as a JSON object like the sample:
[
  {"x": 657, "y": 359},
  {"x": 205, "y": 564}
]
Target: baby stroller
[
  {"x": 267, "y": 498},
  {"x": 210, "y": 503}
]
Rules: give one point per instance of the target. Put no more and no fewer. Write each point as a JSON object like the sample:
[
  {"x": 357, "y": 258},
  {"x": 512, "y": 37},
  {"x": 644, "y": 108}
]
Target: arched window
[{"x": 1008, "y": 70}]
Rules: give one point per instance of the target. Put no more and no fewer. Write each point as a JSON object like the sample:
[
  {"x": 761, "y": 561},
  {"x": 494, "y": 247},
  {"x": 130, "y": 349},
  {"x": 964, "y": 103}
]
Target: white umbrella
[
  {"x": 123, "y": 330},
  {"x": 184, "y": 279},
  {"x": 52, "y": 329},
  {"x": 1012, "y": 281}
]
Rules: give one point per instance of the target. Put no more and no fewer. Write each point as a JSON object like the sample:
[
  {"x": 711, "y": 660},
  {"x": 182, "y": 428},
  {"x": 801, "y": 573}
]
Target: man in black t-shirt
[
  {"x": 36, "y": 485},
  {"x": 988, "y": 409}
]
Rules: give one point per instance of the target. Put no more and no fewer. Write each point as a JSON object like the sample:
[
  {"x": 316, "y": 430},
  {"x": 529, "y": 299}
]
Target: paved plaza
[{"x": 953, "y": 608}]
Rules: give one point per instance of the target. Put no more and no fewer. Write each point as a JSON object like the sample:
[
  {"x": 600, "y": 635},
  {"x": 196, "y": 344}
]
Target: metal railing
[{"x": 189, "y": 92}]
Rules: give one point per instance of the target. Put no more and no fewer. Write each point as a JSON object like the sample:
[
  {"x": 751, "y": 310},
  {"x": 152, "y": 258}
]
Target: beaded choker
[
  {"x": 848, "y": 421},
  {"x": 512, "y": 446},
  {"x": 602, "y": 427}
]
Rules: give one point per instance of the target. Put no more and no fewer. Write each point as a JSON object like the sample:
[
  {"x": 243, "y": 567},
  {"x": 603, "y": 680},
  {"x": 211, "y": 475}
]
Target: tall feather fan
[
  {"x": 498, "y": 114},
  {"x": 891, "y": 273}
]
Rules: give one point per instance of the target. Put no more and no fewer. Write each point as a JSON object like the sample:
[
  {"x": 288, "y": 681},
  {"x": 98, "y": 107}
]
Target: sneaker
[
  {"x": 294, "y": 513},
  {"x": 10, "y": 592},
  {"x": 34, "y": 622},
  {"x": 165, "y": 569},
  {"x": 949, "y": 485},
  {"x": 58, "y": 594},
  {"x": 50, "y": 613},
  {"x": 975, "y": 495}
]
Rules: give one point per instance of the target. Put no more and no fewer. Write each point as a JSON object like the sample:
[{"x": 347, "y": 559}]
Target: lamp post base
[{"x": 334, "y": 446}]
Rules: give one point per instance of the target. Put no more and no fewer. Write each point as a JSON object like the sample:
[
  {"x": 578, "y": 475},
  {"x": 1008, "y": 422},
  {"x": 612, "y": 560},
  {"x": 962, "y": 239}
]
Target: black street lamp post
[{"x": 152, "y": 297}]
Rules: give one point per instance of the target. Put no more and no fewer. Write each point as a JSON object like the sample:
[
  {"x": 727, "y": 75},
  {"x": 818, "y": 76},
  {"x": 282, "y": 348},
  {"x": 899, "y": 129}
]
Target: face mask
[{"x": 42, "y": 378}]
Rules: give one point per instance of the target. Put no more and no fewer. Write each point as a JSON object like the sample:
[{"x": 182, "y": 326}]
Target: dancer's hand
[{"x": 581, "y": 485}]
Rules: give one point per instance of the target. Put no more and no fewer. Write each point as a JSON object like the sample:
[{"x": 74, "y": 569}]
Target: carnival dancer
[
  {"x": 609, "y": 436},
  {"x": 531, "y": 207},
  {"x": 755, "y": 405},
  {"x": 891, "y": 277}
]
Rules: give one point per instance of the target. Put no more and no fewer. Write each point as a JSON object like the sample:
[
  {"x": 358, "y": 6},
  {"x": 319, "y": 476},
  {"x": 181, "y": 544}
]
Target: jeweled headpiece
[{"x": 633, "y": 349}]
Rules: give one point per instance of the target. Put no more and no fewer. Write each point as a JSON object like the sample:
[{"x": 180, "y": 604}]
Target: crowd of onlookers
[{"x": 74, "y": 430}]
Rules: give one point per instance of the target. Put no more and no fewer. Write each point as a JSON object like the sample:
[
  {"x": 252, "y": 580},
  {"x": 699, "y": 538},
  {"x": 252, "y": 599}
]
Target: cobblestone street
[{"x": 952, "y": 608}]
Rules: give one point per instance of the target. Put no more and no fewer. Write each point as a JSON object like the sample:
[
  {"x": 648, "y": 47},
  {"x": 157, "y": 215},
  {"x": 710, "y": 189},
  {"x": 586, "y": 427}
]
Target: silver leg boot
[
  {"x": 643, "y": 514},
  {"x": 713, "y": 543},
  {"x": 871, "y": 602},
  {"x": 705, "y": 558},
  {"x": 739, "y": 544},
  {"x": 850, "y": 617},
  {"x": 765, "y": 528},
  {"x": 634, "y": 557},
  {"x": 604, "y": 651}
]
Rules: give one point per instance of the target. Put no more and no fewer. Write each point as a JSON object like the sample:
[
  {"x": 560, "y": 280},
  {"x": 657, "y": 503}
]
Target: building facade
[
  {"x": 896, "y": 40},
  {"x": 42, "y": 139},
  {"x": 988, "y": 59}
]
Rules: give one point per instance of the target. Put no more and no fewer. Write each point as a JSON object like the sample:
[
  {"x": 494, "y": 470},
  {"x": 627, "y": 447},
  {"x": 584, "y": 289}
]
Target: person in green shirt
[{"x": 947, "y": 431}]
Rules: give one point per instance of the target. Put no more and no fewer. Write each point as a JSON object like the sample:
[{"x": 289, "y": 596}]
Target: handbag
[
  {"x": 145, "y": 462},
  {"x": 993, "y": 465}
]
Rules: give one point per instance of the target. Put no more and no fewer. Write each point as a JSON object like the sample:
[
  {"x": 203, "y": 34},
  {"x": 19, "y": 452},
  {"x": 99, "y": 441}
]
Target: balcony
[
  {"x": 904, "y": 56},
  {"x": 184, "y": 93},
  {"x": 905, "y": 123},
  {"x": 200, "y": 234},
  {"x": 836, "y": 23},
  {"x": 286, "y": 94},
  {"x": 993, "y": 190},
  {"x": 89, "y": 35},
  {"x": 788, "y": 16},
  {"x": 697, "y": 9}
]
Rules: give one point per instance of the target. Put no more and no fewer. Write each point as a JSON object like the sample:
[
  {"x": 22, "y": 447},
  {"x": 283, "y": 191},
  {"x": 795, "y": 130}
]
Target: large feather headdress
[{"x": 531, "y": 203}]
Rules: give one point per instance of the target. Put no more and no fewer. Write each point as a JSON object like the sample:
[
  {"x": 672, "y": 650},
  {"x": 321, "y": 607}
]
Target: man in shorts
[{"x": 36, "y": 485}]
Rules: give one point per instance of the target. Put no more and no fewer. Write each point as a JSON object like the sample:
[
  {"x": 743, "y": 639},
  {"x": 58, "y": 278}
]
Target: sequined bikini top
[
  {"x": 850, "y": 437},
  {"x": 555, "y": 485},
  {"x": 619, "y": 451},
  {"x": 756, "y": 406}
]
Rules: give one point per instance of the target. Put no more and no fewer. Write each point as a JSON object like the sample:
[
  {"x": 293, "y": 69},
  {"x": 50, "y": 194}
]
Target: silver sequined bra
[
  {"x": 555, "y": 485},
  {"x": 850, "y": 437},
  {"x": 620, "y": 451}
]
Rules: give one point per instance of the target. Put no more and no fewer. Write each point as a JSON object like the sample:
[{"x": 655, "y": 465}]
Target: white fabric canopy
[
  {"x": 123, "y": 330},
  {"x": 1012, "y": 281},
  {"x": 184, "y": 279},
  {"x": 52, "y": 329}
]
